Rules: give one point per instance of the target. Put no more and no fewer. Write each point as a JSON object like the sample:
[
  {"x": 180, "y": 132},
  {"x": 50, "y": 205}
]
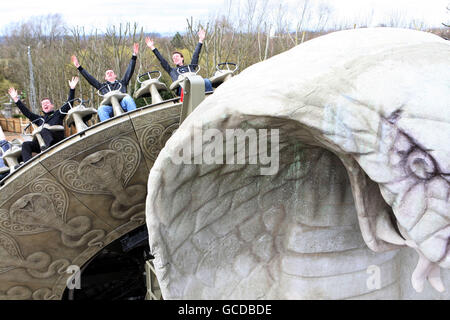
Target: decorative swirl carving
[
  {"x": 38, "y": 264},
  {"x": 32, "y": 213},
  {"x": 16, "y": 293},
  {"x": 78, "y": 233},
  {"x": 68, "y": 172},
  {"x": 91, "y": 239},
  {"x": 55, "y": 192},
  {"x": 108, "y": 172},
  {"x": 154, "y": 137},
  {"x": 25, "y": 293},
  {"x": 15, "y": 185},
  {"x": 43, "y": 294},
  {"x": 167, "y": 113},
  {"x": 90, "y": 142},
  {"x": 7, "y": 225},
  {"x": 10, "y": 254},
  {"x": 167, "y": 133},
  {"x": 56, "y": 267},
  {"x": 129, "y": 150},
  {"x": 45, "y": 207},
  {"x": 118, "y": 212},
  {"x": 139, "y": 217},
  {"x": 82, "y": 225},
  {"x": 150, "y": 140},
  {"x": 103, "y": 170}
]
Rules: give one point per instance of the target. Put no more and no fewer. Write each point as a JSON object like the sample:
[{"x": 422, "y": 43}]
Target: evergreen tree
[{"x": 177, "y": 41}]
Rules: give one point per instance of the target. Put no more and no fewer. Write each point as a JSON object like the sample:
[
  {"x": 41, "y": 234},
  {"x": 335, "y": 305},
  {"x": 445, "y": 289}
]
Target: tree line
[{"x": 246, "y": 40}]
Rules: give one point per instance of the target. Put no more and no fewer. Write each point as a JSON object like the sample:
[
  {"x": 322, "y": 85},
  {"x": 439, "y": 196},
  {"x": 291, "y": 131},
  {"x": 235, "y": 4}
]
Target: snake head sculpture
[
  {"x": 34, "y": 209},
  {"x": 378, "y": 99}
]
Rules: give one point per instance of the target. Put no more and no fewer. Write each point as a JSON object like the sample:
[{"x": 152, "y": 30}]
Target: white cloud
[
  {"x": 158, "y": 16},
  {"x": 170, "y": 16},
  {"x": 431, "y": 12}
]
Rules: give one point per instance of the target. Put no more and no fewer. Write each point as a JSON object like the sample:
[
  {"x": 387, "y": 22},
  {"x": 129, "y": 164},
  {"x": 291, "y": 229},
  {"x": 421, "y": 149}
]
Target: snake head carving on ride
[{"x": 378, "y": 99}]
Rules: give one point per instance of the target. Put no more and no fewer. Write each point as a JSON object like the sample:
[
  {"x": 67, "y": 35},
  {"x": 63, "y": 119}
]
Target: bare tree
[
  {"x": 447, "y": 24},
  {"x": 244, "y": 33}
]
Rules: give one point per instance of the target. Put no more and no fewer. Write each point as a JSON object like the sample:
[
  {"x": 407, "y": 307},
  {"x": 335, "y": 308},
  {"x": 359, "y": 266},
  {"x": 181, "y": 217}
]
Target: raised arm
[
  {"x": 198, "y": 47},
  {"x": 92, "y": 81},
  {"x": 130, "y": 69},
  {"x": 158, "y": 55},
  {"x": 72, "y": 85},
  {"x": 26, "y": 112}
]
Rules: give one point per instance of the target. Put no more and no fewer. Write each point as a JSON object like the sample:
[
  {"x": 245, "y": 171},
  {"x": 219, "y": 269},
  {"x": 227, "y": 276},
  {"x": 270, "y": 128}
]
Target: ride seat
[
  {"x": 180, "y": 80},
  {"x": 108, "y": 97},
  {"x": 113, "y": 98},
  {"x": 11, "y": 156},
  {"x": 183, "y": 72},
  {"x": 150, "y": 87},
  {"x": 222, "y": 75},
  {"x": 79, "y": 115}
]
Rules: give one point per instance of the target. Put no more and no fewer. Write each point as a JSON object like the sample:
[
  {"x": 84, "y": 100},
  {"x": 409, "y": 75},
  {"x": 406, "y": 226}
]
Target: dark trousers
[{"x": 50, "y": 138}]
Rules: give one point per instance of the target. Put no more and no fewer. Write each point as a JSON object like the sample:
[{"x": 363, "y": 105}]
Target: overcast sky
[{"x": 170, "y": 16}]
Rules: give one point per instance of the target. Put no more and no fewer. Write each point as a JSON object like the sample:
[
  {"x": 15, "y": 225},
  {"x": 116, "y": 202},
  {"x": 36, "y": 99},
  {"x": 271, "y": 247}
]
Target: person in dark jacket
[
  {"x": 178, "y": 60},
  {"x": 51, "y": 117},
  {"x": 105, "y": 112}
]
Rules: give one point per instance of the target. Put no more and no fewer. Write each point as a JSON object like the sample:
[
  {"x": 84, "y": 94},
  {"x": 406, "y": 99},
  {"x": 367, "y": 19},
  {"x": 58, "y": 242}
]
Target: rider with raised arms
[
  {"x": 178, "y": 59},
  {"x": 51, "y": 117},
  {"x": 105, "y": 111}
]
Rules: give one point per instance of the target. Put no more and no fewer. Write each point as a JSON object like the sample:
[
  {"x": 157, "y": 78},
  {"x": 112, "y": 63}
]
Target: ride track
[
  {"x": 65, "y": 205},
  {"x": 68, "y": 203}
]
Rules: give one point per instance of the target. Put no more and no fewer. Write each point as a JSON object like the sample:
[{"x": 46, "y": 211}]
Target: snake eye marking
[{"x": 421, "y": 164}]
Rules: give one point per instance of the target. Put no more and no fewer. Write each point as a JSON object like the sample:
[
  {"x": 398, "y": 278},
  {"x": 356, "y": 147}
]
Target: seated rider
[
  {"x": 51, "y": 117},
  {"x": 4, "y": 146},
  {"x": 105, "y": 112},
  {"x": 178, "y": 60}
]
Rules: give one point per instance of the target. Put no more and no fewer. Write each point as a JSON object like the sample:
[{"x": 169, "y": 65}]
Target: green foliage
[
  {"x": 177, "y": 41},
  {"x": 5, "y": 84}
]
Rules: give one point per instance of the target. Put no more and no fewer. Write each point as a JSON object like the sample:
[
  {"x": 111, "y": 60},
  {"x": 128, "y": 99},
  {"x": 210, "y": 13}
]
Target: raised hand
[
  {"x": 73, "y": 82},
  {"x": 75, "y": 61},
  {"x": 149, "y": 43},
  {"x": 201, "y": 35},
  {"x": 135, "y": 49},
  {"x": 13, "y": 94}
]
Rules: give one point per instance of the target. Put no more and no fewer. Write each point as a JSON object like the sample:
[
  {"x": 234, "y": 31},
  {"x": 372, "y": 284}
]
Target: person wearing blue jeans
[
  {"x": 178, "y": 60},
  {"x": 4, "y": 146},
  {"x": 105, "y": 112}
]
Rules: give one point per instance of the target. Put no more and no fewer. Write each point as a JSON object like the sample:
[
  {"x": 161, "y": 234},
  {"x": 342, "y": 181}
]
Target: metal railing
[{"x": 153, "y": 290}]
